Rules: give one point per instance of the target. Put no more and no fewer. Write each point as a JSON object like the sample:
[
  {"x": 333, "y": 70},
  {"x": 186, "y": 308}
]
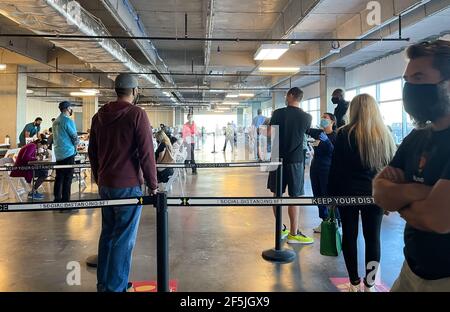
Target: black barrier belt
[
  {"x": 187, "y": 165},
  {"x": 269, "y": 201},
  {"x": 219, "y": 165},
  {"x": 192, "y": 201},
  {"x": 44, "y": 167},
  {"x": 80, "y": 204}
]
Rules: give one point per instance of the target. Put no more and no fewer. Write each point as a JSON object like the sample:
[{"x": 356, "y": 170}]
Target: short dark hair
[
  {"x": 339, "y": 91},
  {"x": 296, "y": 93},
  {"x": 123, "y": 92},
  {"x": 438, "y": 49},
  {"x": 38, "y": 119}
]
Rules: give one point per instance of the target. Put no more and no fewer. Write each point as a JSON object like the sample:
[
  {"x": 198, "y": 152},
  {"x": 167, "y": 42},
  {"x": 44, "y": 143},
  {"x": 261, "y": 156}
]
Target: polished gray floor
[{"x": 211, "y": 249}]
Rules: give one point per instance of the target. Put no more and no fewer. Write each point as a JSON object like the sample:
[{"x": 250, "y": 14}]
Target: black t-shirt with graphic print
[{"x": 424, "y": 156}]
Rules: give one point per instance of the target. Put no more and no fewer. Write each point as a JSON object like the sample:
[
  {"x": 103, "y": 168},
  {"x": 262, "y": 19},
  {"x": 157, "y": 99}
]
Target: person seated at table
[
  {"x": 32, "y": 152},
  {"x": 164, "y": 155}
]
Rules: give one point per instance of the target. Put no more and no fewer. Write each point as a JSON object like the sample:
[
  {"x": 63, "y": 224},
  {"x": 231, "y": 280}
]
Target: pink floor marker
[
  {"x": 342, "y": 284},
  {"x": 150, "y": 286}
]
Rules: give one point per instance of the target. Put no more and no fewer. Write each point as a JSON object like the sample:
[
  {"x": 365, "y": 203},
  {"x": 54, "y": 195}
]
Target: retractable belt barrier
[
  {"x": 161, "y": 166},
  {"x": 161, "y": 202},
  {"x": 190, "y": 202}
]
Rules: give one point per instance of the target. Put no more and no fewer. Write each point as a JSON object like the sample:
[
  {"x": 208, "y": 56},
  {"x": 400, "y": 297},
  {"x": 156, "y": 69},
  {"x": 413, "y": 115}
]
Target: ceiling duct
[{"x": 66, "y": 17}]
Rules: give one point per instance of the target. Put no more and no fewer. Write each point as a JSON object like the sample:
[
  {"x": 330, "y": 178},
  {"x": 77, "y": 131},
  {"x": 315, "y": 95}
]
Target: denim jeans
[{"x": 117, "y": 239}]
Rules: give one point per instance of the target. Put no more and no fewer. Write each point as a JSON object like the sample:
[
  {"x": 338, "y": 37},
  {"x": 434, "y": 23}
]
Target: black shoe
[{"x": 130, "y": 287}]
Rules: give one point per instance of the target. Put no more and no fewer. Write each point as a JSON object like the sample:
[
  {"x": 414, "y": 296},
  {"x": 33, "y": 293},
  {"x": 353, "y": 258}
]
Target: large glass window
[
  {"x": 392, "y": 113},
  {"x": 312, "y": 107},
  {"x": 391, "y": 90},
  {"x": 371, "y": 90},
  {"x": 350, "y": 94},
  {"x": 391, "y": 107}
]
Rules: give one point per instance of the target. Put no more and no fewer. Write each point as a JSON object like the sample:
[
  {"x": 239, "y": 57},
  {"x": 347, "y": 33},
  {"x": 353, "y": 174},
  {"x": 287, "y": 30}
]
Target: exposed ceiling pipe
[
  {"x": 209, "y": 32},
  {"x": 363, "y": 37},
  {"x": 125, "y": 14},
  {"x": 168, "y": 73},
  {"x": 98, "y": 37},
  {"x": 55, "y": 18}
]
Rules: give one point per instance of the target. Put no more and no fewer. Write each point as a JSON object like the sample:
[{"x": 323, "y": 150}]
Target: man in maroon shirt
[{"x": 122, "y": 158}]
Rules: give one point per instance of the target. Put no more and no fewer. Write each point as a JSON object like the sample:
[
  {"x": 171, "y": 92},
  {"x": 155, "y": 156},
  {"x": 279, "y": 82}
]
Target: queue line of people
[{"x": 362, "y": 159}]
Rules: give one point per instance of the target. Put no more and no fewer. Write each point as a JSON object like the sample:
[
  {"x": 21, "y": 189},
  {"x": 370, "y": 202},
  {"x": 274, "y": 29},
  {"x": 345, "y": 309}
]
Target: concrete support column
[
  {"x": 240, "y": 117},
  {"x": 13, "y": 94},
  {"x": 90, "y": 108},
  {"x": 278, "y": 99},
  {"x": 178, "y": 117},
  {"x": 334, "y": 79}
]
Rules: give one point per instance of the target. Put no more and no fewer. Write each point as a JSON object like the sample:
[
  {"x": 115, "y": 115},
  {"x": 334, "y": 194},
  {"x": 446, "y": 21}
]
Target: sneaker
[
  {"x": 300, "y": 238},
  {"x": 370, "y": 289},
  {"x": 130, "y": 287},
  {"x": 35, "y": 196},
  {"x": 284, "y": 232},
  {"x": 318, "y": 229},
  {"x": 354, "y": 288}
]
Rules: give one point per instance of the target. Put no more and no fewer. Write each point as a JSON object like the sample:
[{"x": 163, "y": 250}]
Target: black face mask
[
  {"x": 426, "y": 102},
  {"x": 335, "y": 100}
]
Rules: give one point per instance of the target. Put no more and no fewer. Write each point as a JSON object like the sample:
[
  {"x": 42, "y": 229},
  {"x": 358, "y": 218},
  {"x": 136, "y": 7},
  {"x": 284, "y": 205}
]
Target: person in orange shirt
[{"x": 189, "y": 133}]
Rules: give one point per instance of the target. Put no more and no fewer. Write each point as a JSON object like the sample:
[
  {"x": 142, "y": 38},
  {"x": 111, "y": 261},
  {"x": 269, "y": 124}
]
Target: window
[
  {"x": 391, "y": 107},
  {"x": 312, "y": 107},
  {"x": 389, "y": 95},
  {"x": 350, "y": 94},
  {"x": 371, "y": 90},
  {"x": 391, "y": 90},
  {"x": 392, "y": 113}
]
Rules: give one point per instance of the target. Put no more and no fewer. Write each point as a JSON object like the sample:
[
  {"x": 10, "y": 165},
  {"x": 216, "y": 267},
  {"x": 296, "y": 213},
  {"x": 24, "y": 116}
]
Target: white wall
[
  {"x": 387, "y": 68},
  {"x": 38, "y": 108}
]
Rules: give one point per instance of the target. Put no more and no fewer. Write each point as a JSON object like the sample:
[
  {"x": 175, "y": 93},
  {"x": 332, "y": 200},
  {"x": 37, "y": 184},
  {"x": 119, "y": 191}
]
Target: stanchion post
[
  {"x": 278, "y": 209},
  {"x": 162, "y": 243},
  {"x": 214, "y": 142},
  {"x": 277, "y": 254}
]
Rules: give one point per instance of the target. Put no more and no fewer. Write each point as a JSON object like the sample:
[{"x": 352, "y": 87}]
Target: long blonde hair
[
  {"x": 161, "y": 136},
  {"x": 376, "y": 146}
]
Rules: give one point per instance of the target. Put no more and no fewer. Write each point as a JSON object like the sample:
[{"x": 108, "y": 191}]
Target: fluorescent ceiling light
[
  {"x": 230, "y": 103},
  {"x": 247, "y": 95},
  {"x": 166, "y": 93},
  {"x": 2, "y": 66},
  {"x": 30, "y": 91},
  {"x": 232, "y": 96},
  {"x": 272, "y": 52},
  {"x": 81, "y": 94},
  {"x": 279, "y": 69},
  {"x": 90, "y": 91}
]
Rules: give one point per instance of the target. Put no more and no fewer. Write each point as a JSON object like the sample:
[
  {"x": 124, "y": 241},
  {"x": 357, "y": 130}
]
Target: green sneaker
[
  {"x": 300, "y": 238},
  {"x": 284, "y": 232}
]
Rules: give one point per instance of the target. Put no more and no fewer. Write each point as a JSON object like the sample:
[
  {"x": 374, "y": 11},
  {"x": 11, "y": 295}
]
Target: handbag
[{"x": 330, "y": 237}]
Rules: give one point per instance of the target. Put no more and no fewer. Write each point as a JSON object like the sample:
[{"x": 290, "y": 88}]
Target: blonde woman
[
  {"x": 363, "y": 148},
  {"x": 163, "y": 155}
]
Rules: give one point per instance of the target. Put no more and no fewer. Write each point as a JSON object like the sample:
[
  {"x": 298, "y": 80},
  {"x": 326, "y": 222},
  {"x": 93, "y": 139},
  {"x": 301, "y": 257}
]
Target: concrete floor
[{"x": 211, "y": 249}]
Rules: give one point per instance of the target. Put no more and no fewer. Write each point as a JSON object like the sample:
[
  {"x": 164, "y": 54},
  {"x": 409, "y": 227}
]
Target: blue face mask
[{"x": 324, "y": 123}]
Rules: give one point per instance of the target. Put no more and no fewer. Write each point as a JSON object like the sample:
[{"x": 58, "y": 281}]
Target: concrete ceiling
[{"x": 257, "y": 19}]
